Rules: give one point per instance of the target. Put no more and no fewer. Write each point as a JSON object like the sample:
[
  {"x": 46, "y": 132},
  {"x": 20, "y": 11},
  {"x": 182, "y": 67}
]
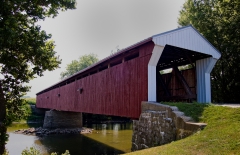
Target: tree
[
  {"x": 77, "y": 65},
  {"x": 218, "y": 21},
  {"x": 25, "y": 51}
]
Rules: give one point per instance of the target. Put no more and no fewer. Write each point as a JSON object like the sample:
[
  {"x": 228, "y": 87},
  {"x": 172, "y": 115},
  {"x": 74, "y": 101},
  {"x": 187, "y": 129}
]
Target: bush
[
  {"x": 34, "y": 151},
  {"x": 31, "y": 100}
]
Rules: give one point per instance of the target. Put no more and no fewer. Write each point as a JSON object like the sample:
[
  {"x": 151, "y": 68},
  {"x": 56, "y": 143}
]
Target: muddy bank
[{"x": 45, "y": 132}]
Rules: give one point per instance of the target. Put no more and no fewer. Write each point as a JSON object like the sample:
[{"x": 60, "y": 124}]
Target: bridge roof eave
[{"x": 98, "y": 63}]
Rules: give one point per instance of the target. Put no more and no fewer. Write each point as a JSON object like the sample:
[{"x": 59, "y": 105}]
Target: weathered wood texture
[
  {"x": 176, "y": 88},
  {"x": 117, "y": 90}
]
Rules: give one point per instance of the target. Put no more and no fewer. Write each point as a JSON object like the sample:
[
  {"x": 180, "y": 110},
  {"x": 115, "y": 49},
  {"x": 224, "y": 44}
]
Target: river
[{"x": 106, "y": 139}]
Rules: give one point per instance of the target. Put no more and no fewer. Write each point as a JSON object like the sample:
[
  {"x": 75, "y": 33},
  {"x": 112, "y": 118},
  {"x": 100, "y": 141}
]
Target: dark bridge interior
[
  {"x": 178, "y": 84},
  {"x": 175, "y": 56}
]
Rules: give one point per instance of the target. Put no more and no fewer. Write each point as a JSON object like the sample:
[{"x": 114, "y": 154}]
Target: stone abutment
[{"x": 161, "y": 124}]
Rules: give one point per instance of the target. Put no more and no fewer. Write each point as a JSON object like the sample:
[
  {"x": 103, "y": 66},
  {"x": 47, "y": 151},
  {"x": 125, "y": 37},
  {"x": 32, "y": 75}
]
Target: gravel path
[{"x": 229, "y": 105}]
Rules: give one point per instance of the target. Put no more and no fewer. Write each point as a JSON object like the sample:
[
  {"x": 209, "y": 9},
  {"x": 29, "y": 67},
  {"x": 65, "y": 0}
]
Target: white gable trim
[{"x": 187, "y": 38}]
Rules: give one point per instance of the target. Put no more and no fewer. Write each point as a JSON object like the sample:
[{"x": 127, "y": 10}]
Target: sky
[{"x": 102, "y": 26}]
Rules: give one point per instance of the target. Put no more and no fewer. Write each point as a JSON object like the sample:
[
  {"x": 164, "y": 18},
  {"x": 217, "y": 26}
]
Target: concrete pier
[{"x": 62, "y": 119}]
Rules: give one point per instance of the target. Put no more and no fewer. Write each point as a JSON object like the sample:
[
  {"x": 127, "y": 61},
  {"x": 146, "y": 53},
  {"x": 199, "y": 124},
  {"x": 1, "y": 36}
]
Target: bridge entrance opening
[{"x": 176, "y": 74}]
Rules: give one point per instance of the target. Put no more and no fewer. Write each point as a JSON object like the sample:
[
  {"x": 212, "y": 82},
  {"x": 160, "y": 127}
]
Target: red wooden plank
[
  {"x": 117, "y": 90},
  {"x": 104, "y": 91},
  {"x": 120, "y": 90},
  {"x": 126, "y": 84}
]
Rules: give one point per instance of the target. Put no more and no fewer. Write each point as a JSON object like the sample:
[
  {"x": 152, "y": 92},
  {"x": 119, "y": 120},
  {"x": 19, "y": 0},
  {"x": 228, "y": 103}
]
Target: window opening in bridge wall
[
  {"x": 79, "y": 77},
  {"x": 165, "y": 71},
  {"x": 116, "y": 63},
  {"x": 133, "y": 56},
  {"x": 103, "y": 68},
  {"x": 63, "y": 84},
  {"x": 85, "y": 75},
  {"x": 93, "y": 72},
  {"x": 185, "y": 67},
  {"x": 70, "y": 81}
]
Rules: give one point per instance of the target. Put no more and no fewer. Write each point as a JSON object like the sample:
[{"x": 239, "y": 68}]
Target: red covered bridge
[{"x": 117, "y": 84}]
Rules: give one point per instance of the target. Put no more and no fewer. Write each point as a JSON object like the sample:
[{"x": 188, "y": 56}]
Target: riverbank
[
  {"x": 45, "y": 132},
  {"x": 221, "y": 135},
  {"x": 104, "y": 139}
]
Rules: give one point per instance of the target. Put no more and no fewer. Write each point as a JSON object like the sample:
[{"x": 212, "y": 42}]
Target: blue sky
[{"x": 99, "y": 26}]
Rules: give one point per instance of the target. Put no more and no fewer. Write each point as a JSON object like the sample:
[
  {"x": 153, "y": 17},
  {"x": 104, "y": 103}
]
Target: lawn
[{"x": 221, "y": 136}]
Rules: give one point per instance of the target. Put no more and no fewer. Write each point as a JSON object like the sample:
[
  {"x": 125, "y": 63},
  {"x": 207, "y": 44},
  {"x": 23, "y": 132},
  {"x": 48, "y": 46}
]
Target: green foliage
[
  {"x": 185, "y": 67},
  {"x": 77, "y": 65},
  {"x": 193, "y": 110},
  {"x": 25, "y": 51},
  {"x": 6, "y": 153},
  {"x": 26, "y": 111},
  {"x": 220, "y": 136},
  {"x": 34, "y": 151},
  {"x": 66, "y": 153},
  {"x": 31, "y": 101},
  {"x": 31, "y": 151},
  {"x": 218, "y": 21}
]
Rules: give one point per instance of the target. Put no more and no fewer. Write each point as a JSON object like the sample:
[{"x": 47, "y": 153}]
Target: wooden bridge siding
[
  {"x": 175, "y": 86},
  {"x": 191, "y": 79},
  {"x": 68, "y": 94},
  {"x": 117, "y": 90},
  {"x": 126, "y": 87},
  {"x": 79, "y": 97},
  {"x": 134, "y": 91},
  {"x": 53, "y": 97},
  {"x": 39, "y": 100},
  {"x": 43, "y": 100}
]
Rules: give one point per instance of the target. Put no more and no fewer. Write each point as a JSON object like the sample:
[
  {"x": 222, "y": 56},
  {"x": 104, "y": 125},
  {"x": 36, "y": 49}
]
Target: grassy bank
[
  {"x": 193, "y": 110},
  {"x": 221, "y": 136}
]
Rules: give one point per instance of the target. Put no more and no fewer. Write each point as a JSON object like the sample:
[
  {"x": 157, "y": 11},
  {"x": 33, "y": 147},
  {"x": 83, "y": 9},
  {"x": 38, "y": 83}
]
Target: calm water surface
[{"x": 106, "y": 139}]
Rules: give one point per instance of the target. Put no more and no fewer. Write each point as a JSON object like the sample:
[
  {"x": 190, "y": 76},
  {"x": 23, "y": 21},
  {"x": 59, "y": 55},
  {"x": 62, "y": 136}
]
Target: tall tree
[
  {"x": 77, "y": 65},
  {"x": 25, "y": 51},
  {"x": 218, "y": 21}
]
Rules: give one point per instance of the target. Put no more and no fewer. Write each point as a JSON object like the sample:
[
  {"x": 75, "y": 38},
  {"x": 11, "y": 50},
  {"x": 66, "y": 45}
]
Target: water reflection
[{"x": 105, "y": 139}]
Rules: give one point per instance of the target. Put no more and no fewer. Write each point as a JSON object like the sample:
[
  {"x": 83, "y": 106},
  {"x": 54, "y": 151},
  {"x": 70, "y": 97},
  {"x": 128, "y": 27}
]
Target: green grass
[
  {"x": 220, "y": 137},
  {"x": 193, "y": 110},
  {"x": 31, "y": 100}
]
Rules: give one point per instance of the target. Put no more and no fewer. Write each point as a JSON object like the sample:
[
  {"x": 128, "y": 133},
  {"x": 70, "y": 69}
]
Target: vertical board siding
[
  {"x": 116, "y": 91},
  {"x": 175, "y": 87},
  {"x": 79, "y": 97}
]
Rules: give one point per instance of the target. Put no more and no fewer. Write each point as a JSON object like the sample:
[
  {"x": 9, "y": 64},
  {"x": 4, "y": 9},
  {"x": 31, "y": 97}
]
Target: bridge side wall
[{"x": 117, "y": 90}]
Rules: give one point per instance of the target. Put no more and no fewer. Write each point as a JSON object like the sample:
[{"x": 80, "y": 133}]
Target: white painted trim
[
  {"x": 203, "y": 70},
  {"x": 187, "y": 38},
  {"x": 152, "y": 83}
]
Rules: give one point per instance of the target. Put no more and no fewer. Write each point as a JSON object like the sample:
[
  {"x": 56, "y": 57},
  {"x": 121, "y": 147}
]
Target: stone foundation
[
  {"x": 161, "y": 124},
  {"x": 62, "y": 119}
]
